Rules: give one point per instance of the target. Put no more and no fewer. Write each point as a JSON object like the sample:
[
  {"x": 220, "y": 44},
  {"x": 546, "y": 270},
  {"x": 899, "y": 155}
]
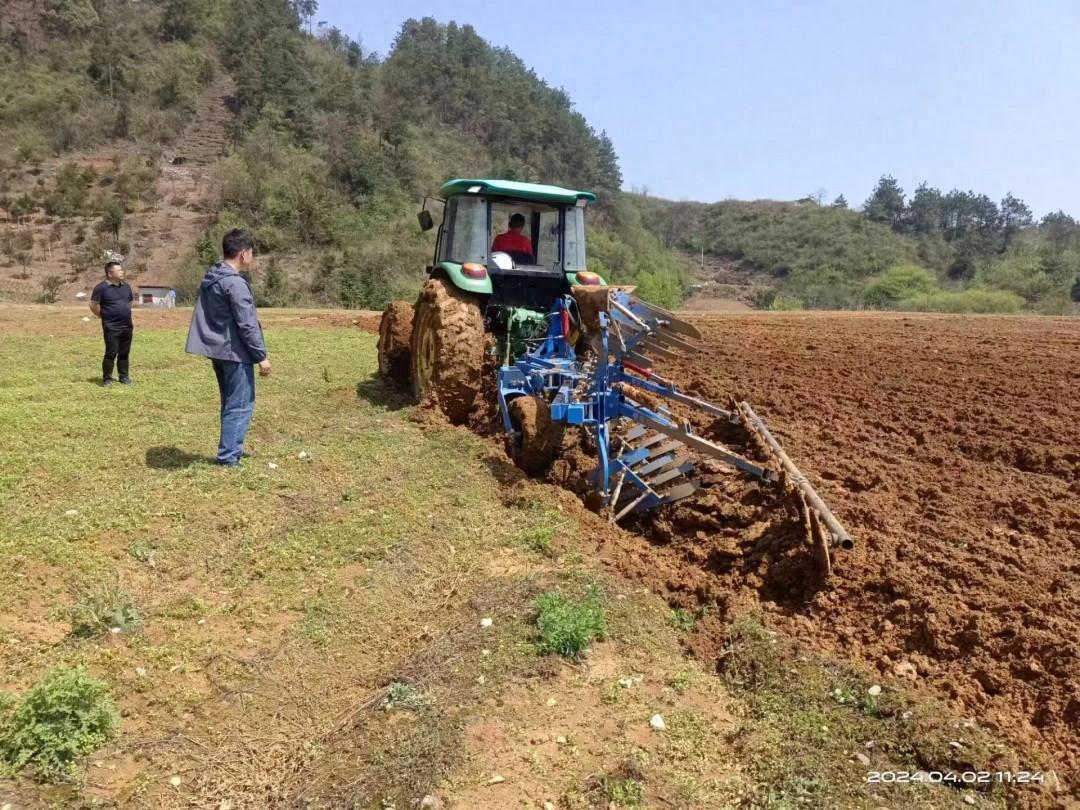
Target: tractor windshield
[{"x": 533, "y": 235}]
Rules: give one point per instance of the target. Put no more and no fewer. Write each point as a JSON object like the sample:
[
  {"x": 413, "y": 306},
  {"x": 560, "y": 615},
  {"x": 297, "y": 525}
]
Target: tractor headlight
[
  {"x": 587, "y": 279},
  {"x": 474, "y": 270}
]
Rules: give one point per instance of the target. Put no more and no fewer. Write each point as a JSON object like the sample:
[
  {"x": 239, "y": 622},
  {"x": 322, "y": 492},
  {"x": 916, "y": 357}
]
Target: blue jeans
[{"x": 236, "y": 384}]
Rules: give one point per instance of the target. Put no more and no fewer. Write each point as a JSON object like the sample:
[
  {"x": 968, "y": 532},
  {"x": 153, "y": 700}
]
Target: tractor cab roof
[{"x": 516, "y": 190}]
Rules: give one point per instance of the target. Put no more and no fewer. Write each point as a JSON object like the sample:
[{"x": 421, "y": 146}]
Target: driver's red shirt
[{"x": 510, "y": 241}]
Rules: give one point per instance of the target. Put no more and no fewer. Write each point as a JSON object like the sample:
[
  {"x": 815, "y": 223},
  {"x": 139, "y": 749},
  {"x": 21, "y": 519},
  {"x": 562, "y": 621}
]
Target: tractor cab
[{"x": 517, "y": 244}]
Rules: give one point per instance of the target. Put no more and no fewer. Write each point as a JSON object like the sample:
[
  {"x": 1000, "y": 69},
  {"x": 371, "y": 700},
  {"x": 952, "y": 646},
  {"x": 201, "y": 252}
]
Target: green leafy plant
[
  {"x": 66, "y": 715},
  {"x": 567, "y": 627},
  {"x": 625, "y": 792},
  {"x": 100, "y": 608},
  {"x": 685, "y": 619},
  {"x": 538, "y": 539},
  {"x": 402, "y": 695}
]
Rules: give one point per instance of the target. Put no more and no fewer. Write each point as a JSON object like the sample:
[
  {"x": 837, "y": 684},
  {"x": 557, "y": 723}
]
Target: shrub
[
  {"x": 968, "y": 301},
  {"x": 50, "y": 289},
  {"x": 897, "y": 284},
  {"x": 66, "y": 715},
  {"x": 662, "y": 289},
  {"x": 69, "y": 192},
  {"x": 763, "y": 297},
  {"x": 360, "y": 285},
  {"x": 567, "y": 627},
  {"x": 1030, "y": 276},
  {"x": 785, "y": 303}
]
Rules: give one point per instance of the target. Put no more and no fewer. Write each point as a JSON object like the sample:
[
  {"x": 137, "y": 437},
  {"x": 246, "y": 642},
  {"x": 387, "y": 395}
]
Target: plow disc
[{"x": 647, "y": 448}]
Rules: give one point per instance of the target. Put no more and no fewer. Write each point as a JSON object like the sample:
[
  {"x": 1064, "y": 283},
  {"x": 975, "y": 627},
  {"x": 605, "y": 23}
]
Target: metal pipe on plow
[{"x": 839, "y": 533}]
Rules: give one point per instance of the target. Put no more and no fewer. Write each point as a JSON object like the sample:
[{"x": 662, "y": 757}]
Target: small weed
[
  {"x": 681, "y": 680},
  {"x": 538, "y": 539},
  {"x": 99, "y": 609},
  {"x": 326, "y": 375},
  {"x": 405, "y": 696},
  {"x": 797, "y": 791},
  {"x": 66, "y": 715},
  {"x": 193, "y": 698},
  {"x": 321, "y": 615},
  {"x": 859, "y": 698},
  {"x": 753, "y": 658},
  {"x": 623, "y": 792},
  {"x": 612, "y": 695},
  {"x": 185, "y": 607},
  {"x": 688, "y": 736},
  {"x": 684, "y": 619},
  {"x": 143, "y": 552},
  {"x": 566, "y": 627}
]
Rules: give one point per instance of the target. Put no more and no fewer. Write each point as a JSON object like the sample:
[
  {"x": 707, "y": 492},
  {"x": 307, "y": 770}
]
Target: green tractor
[{"x": 504, "y": 252}]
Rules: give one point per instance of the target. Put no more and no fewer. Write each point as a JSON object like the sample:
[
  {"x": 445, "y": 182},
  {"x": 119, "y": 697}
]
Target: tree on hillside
[
  {"x": 180, "y": 20},
  {"x": 69, "y": 17},
  {"x": 305, "y": 10},
  {"x": 448, "y": 77},
  {"x": 840, "y": 202},
  {"x": 886, "y": 204},
  {"x": 1060, "y": 229},
  {"x": 112, "y": 219},
  {"x": 924, "y": 211},
  {"x": 1014, "y": 215}
]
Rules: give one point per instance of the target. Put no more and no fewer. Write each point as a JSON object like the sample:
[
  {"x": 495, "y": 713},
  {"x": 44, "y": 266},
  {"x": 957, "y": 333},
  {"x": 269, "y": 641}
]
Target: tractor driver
[{"x": 514, "y": 242}]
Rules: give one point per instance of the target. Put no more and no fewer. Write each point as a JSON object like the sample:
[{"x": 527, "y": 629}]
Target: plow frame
[{"x": 597, "y": 392}]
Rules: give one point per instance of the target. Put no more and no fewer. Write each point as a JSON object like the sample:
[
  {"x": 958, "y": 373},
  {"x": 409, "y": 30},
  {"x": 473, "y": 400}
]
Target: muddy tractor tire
[
  {"x": 447, "y": 349},
  {"x": 395, "y": 334},
  {"x": 540, "y": 437}
]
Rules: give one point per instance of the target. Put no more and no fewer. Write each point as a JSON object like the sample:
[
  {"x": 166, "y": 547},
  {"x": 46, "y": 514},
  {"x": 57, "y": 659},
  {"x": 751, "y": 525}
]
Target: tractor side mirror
[{"x": 425, "y": 219}]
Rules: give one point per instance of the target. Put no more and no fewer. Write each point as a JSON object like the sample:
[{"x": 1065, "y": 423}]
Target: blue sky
[{"x": 711, "y": 100}]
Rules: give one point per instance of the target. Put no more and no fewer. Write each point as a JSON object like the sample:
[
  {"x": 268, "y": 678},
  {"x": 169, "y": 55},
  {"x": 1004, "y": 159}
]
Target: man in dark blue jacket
[{"x": 225, "y": 328}]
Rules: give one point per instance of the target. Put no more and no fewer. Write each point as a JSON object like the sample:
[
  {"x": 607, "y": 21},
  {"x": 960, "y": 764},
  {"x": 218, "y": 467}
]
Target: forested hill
[
  {"x": 330, "y": 151},
  {"x": 957, "y": 251}
]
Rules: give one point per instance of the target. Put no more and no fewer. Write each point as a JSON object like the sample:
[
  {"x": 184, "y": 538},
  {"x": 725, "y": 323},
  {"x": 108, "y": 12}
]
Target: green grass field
[{"x": 309, "y": 633}]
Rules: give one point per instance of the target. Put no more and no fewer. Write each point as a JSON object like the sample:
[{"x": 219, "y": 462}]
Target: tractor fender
[
  {"x": 453, "y": 273},
  {"x": 572, "y": 278}
]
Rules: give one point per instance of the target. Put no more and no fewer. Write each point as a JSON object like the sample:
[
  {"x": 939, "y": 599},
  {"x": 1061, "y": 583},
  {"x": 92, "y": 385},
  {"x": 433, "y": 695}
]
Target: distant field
[{"x": 266, "y": 616}]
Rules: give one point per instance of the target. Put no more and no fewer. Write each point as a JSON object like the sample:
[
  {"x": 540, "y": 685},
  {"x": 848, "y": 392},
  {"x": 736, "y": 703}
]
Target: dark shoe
[
  {"x": 221, "y": 463},
  {"x": 106, "y": 382},
  {"x": 125, "y": 380}
]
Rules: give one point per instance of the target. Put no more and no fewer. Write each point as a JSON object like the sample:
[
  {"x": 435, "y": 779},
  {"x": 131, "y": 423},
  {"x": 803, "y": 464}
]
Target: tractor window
[
  {"x": 547, "y": 245},
  {"x": 575, "y": 240},
  {"x": 468, "y": 230}
]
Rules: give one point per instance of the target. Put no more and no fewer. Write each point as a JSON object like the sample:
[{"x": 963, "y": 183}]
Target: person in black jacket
[
  {"x": 225, "y": 327},
  {"x": 111, "y": 301}
]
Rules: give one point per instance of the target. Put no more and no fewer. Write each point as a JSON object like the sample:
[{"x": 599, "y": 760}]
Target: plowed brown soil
[{"x": 950, "y": 448}]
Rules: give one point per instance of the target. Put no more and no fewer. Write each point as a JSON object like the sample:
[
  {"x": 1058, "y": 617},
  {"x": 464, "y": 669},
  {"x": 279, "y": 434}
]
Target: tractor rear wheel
[
  {"x": 535, "y": 448},
  {"x": 447, "y": 349},
  {"x": 395, "y": 333}
]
